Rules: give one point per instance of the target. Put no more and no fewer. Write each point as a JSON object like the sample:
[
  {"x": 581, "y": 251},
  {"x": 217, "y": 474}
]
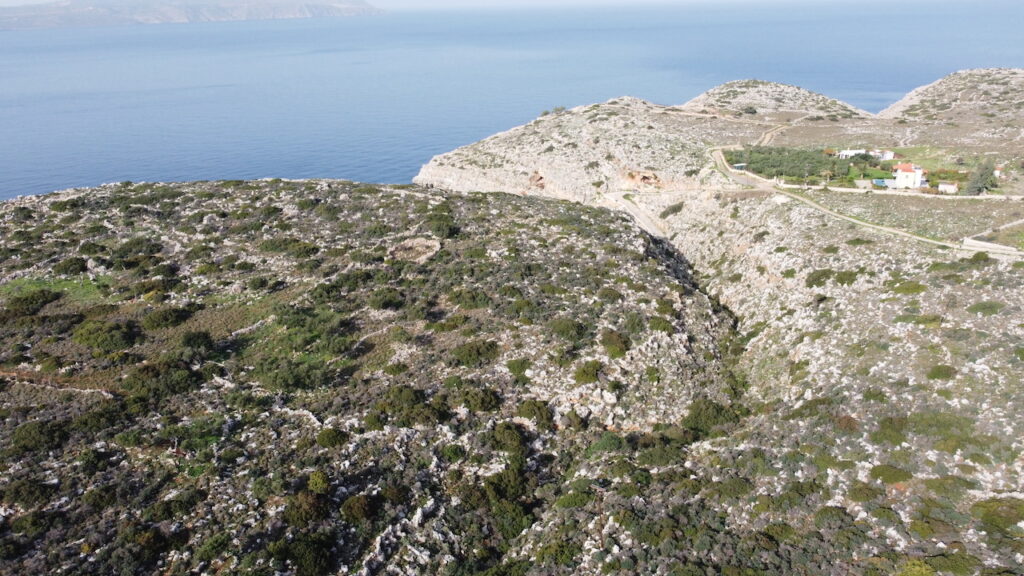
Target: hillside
[
  {"x": 246, "y": 376},
  {"x": 78, "y": 13},
  {"x": 759, "y": 96},
  {"x": 983, "y": 95},
  {"x": 885, "y": 361}
]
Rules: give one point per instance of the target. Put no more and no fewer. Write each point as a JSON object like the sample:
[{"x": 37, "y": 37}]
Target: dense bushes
[
  {"x": 30, "y": 303},
  {"x": 162, "y": 379},
  {"x": 476, "y": 353},
  {"x": 39, "y": 435},
  {"x": 106, "y": 337},
  {"x": 165, "y": 318},
  {"x": 705, "y": 416},
  {"x": 71, "y": 266}
]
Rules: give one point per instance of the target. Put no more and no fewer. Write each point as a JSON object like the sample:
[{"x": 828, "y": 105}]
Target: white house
[
  {"x": 908, "y": 176},
  {"x": 949, "y": 188},
  {"x": 847, "y": 154},
  {"x": 883, "y": 155},
  {"x": 998, "y": 172}
]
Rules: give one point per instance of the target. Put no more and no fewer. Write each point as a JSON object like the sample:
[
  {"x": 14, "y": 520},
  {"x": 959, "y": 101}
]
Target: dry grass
[{"x": 938, "y": 218}]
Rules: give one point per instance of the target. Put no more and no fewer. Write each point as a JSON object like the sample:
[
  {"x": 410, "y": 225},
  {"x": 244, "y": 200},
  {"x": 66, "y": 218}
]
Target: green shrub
[
  {"x": 331, "y": 437},
  {"x": 452, "y": 453},
  {"x": 30, "y": 303},
  {"x": 198, "y": 341},
  {"x": 470, "y": 299},
  {"x": 39, "y": 435},
  {"x": 986, "y": 308},
  {"x": 819, "y": 278},
  {"x": 615, "y": 343},
  {"x": 71, "y": 266},
  {"x": 941, "y": 372},
  {"x": 518, "y": 368},
  {"x": 861, "y": 492},
  {"x": 587, "y": 373},
  {"x": 107, "y": 337},
  {"x": 891, "y": 430},
  {"x": 386, "y": 299},
  {"x": 610, "y": 295},
  {"x": 909, "y": 287},
  {"x": 608, "y": 442},
  {"x": 476, "y": 353},
  {"x": 360, "y": 508},
  {"x": 659, "y": 324},
  {"x": 567, "y": 329},
  {"x": 672, "y": 210},
  {"x": 539, "y": 412},
  {"x": 165, "y": 318},
  {"x": 574, "y": 500},
  {"x": 706, "y": 415},
  {"x": 890, "y": 474},
  {"x": 318, "y": 482},
  {"x": 1000, "y": 516}
]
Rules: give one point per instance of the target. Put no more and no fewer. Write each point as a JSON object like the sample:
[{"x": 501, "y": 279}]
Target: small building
[
  {"x": 847, "y": 154},
  {"x": 949, "y": 188},
  {"x": 883, "y": 155},
  {"x": 908, "y": 177},
  {"x": 741, "y": 166},
  {"x": 998, "y": 172}
]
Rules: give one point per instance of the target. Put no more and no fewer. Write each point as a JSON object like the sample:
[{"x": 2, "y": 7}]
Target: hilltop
[
  {"x": 630, "y": 144},
  {"x": 758, "y": 96},
  {"x": 78, "y": 13},
  {"x": 983, "y": 95}
]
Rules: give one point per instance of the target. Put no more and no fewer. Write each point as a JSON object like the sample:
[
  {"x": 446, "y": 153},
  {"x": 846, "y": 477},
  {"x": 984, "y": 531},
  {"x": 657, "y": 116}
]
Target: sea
[{"x": 373, "y": 98}]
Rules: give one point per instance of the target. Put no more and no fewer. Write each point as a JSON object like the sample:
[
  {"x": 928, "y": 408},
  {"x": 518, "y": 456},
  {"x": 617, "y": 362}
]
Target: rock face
[
  {"x": 760, "y": 96},
  {"x": 992, "y": 94},
  {"x": 75, "y": 13}
]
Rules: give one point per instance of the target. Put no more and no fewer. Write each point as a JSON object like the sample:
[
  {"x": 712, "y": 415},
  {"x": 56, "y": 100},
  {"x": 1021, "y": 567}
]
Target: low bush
[
  {"x": 331, "y": 437},
  {"x": 165, "y": 318},
  {"x": 587, "y": 373},
  {"x": 71, "y": 266},
  {"x": 890, "y": 474},
  {"x": 30, "y": 303},
  {"x": 107, "y": 337},
  {"x": 476, "y": 354}
]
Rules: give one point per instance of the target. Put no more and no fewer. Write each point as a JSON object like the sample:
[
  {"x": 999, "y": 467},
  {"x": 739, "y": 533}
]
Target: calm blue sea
[{"x": 374, "y": 98}]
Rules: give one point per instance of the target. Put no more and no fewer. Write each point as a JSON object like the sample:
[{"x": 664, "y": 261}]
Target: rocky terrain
[
  {"x": 667, "y": 367},
  {"x": 76, "y": 13},
  {"x": 879, "y": 359},
  {"x": 759, "y": 97}
]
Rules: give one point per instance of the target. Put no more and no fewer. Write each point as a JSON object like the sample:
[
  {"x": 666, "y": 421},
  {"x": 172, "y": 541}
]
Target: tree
[{"x": 984, "y": 178}]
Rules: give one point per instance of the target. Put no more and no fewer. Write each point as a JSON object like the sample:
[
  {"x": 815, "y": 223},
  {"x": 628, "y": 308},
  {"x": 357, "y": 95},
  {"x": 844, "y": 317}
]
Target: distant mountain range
[{"x": 84, "y": 13}]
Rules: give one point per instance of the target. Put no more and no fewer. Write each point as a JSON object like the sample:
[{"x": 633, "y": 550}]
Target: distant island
[{"x": 87, "y": 13}]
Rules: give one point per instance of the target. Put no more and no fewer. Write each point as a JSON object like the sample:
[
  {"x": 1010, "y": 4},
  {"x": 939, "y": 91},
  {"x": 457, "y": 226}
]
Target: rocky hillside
[
  {"x": 74, "y": 13},
  {"x": 995, "y": 94},
  {"x": 758, "y": 96},
  {"x": 323, "y": 377},
  {"x": 882, "y": 372},
  {"x": 623, "y": 144}
]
